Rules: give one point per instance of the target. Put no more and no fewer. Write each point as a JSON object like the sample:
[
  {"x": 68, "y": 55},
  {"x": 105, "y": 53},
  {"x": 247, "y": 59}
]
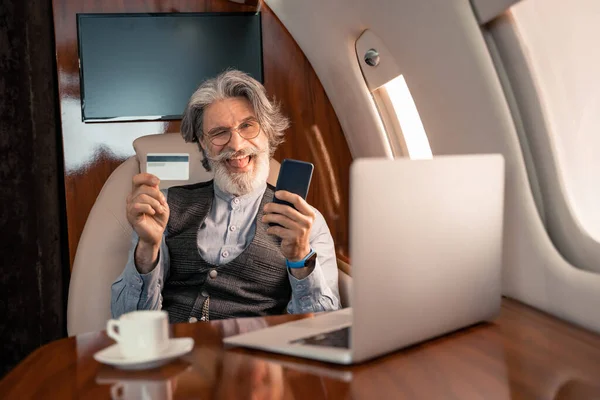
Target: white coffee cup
[{"x": 140, "y": 334}]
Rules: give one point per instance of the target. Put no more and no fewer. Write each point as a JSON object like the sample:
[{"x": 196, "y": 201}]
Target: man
[{"x": 206, "y": 251}]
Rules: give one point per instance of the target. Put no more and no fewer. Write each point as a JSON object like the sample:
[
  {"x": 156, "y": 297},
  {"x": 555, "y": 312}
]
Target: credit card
[{"x": 169, "y": 166}]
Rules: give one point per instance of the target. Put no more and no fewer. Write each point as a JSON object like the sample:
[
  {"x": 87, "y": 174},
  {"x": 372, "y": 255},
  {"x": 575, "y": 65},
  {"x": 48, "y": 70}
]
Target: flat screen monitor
[{"x": 146, "y": 66}]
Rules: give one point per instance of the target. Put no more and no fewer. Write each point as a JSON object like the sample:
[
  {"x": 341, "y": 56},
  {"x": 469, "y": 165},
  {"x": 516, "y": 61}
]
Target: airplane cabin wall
[
  {"x": 551, "y": 75},
  {"x": 443, "y": 55}
]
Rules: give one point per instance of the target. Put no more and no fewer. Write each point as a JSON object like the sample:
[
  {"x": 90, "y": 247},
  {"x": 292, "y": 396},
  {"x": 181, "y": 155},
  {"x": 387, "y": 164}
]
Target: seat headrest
[{"x": 174, "y": 143}]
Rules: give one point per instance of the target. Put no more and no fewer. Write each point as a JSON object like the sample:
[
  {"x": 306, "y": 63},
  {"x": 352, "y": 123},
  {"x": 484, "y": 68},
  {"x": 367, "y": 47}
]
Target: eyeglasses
[{"x": 248, "y": 130}]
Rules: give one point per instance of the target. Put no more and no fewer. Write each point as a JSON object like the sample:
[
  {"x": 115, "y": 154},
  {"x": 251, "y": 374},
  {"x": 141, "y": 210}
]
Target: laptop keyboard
[{"x": 339, "y": 338}]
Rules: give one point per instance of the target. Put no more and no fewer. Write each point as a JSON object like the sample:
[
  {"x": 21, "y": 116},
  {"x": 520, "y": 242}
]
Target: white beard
[{"x": 241, "y": 183}]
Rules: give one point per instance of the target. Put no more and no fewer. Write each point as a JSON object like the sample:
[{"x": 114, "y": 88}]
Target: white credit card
[{"x": 169, "y": 166}]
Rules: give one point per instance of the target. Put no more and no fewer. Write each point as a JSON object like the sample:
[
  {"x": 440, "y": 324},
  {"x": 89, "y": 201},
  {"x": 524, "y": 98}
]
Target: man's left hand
[{"x": 295, "y": 224}]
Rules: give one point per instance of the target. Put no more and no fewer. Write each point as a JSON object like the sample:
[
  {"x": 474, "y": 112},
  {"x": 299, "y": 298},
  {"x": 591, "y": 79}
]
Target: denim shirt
[{"x": 228, "y": 229}]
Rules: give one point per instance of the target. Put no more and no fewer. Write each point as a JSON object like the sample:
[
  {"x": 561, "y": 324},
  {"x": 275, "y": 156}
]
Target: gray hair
[{"x": 229, "y": 84}]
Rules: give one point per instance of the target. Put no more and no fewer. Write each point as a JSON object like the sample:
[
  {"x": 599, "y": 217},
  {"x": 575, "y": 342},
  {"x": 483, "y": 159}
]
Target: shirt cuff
[
  {"x": 152, "y": 281},
  {"x": 146, "y": 286},
  {"x": 306, "y": 292}
]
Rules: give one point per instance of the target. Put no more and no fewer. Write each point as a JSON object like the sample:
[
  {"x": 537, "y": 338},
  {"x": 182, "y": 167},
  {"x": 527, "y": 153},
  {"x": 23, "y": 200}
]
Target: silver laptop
[{"x": 426, "y": 247}]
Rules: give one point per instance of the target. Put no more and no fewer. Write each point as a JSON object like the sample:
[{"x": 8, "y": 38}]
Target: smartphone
[{"x": 294, "y": 176}]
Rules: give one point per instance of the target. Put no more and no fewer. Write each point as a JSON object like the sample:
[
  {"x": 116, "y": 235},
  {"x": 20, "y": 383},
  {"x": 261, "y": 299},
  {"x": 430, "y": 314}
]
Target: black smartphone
[{"x": 294, "y": 176}]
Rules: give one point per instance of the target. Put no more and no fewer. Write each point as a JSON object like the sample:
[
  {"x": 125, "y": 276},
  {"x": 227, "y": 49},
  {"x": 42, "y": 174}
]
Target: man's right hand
[{"x": 148, "y": 214}]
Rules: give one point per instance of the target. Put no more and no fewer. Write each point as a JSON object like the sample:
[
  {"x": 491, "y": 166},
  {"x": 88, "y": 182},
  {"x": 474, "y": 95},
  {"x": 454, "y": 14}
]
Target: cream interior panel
[
  {"x": 441, "y": 52},
  {"x": 560, "y": 40},
  {"x": 553, "y": 75},
  {"x": 571, "y": 238},
  {"x": 437, "y": 45}
]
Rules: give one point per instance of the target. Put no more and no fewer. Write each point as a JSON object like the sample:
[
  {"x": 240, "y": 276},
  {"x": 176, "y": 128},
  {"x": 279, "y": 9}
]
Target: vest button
[
  {"x": 193, "y": 319},
  {"x": 213, "y": 273},
  {"x": 204, "y": 293}
]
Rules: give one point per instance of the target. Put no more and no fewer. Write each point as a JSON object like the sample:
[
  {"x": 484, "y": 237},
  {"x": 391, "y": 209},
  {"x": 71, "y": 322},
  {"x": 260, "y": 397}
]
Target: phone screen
[{"x": 294, "y": 177}]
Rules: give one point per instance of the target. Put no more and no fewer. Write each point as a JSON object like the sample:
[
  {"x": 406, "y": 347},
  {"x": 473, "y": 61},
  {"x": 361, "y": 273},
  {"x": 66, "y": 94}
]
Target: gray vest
[{"x": 253, "y": 284}]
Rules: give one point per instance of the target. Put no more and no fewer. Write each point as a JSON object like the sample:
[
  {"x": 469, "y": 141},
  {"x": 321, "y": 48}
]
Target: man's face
[{"x": 242, "y": 164}]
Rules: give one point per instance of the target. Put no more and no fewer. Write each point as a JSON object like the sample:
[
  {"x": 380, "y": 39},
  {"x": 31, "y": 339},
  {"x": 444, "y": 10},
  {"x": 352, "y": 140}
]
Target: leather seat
[{"x": 104, "y": 243}]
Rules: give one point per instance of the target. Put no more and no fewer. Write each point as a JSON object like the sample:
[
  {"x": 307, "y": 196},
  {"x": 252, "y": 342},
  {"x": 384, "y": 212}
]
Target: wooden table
[{"x": 524, "y": 354}]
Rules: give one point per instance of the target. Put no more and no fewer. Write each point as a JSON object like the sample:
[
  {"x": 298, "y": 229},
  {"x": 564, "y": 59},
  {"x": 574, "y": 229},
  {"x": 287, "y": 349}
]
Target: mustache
[{"x": 246, "y": 151}]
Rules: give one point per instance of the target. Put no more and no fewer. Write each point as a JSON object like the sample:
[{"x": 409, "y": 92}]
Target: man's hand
[
  {"x": 148, "y": 213},
  {"x": 295, "y": 228}
]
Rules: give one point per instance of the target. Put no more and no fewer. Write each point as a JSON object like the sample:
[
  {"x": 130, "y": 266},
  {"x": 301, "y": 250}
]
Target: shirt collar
[{"x": 247, "y": 198}]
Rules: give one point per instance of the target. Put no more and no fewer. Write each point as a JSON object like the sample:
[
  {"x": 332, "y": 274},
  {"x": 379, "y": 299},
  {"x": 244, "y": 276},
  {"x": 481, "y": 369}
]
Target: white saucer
[{"x": 112, "y": 355}]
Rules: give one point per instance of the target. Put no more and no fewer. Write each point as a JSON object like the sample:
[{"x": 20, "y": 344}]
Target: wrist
[
  {"x": 146, "y": 246},
  {"x": 301, "y": 255},
  {"x": 146, "y": 256},
  {"x": 307, "y": 261}
]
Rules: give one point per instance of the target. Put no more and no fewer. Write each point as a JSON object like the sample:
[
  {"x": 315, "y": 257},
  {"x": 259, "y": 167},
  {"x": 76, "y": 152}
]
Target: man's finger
[
  {"x": 140, "y": 208},
  {"x": 146, "y": 199},
  {"x": 288, "y": 211},
  {"x": 279, "y": 231},
  {"x": 301, "y": 205},
  {"x": 281, "y": 220},
  {"x": 150, "y": 191},
  {"x": 145, "y": 179}
]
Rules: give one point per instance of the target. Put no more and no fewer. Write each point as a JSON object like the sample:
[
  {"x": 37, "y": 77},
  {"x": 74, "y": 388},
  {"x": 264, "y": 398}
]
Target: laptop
[{"x": 425, "y": 250}]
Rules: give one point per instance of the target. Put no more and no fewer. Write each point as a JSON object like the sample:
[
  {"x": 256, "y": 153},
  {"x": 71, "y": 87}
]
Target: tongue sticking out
[{"x": 240, "y": 162}]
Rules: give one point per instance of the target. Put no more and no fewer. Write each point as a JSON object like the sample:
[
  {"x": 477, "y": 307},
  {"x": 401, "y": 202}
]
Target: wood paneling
[
  {"x": 524, "y": 354},
  {"x": 93, "y": 151},
  {"x": 292, "y": 80}
]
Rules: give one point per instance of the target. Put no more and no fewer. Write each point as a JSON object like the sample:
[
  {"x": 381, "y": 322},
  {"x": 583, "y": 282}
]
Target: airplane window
[{"x": 401, "y": 120}]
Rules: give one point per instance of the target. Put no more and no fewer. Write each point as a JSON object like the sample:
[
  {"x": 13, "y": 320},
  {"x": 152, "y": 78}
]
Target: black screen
[
  {"x": 294, "y": 176},
  {"x": 146, "y": 66}
]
